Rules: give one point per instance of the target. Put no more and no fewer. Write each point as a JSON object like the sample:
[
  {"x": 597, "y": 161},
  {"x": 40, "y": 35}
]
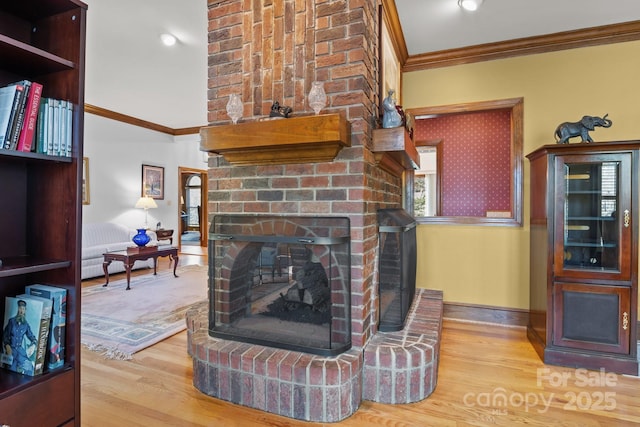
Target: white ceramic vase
[
  {"x": 234, "y": 107},
  {"x": 317, "y": 98}
]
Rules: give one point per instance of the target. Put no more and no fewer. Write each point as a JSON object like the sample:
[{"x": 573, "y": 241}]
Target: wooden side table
[{"x": 164, "y": 234}]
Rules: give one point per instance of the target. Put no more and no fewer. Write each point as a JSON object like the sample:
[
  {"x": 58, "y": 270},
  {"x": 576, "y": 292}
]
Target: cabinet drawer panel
[
  {"x": 590, "y": 317},
  {"x": 51, "y": 403}
]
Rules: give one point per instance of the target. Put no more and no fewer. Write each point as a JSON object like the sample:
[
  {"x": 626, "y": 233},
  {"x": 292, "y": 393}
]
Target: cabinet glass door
[{"x": 593, "y": 222}]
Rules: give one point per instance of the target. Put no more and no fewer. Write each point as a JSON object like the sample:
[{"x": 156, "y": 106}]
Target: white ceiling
[
  {"x": 433, "y": 25},
  {"x": 129, "y": 71}
]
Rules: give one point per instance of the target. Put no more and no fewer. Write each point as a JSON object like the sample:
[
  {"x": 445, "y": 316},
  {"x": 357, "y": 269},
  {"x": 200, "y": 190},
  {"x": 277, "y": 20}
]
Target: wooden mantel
[
  {"x": 394, "y": 150},
  {"x": 279, "y": 141}
]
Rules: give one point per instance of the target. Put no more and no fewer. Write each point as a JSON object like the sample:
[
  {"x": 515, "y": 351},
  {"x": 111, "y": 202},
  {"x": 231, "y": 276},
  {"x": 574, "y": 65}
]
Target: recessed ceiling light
[
  {"x": 469, "y": 4},
  {"x": 168, "y": 39}
]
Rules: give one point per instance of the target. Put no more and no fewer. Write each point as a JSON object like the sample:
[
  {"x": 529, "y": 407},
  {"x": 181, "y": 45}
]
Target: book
[
  {"x": 55, "y": 127},
  {"x": 49, "y": 120},
  {"x": 45, "y": 143},
  {"x": 43, "y": 331},
  {"x": 7, "y": 101},
  {"x": 57, "y": 329},
  {"x": 26, "y": 324},
  {"x": 69, "y": 129},
  {"x": 41, "y": 127},
  {"x": 18, "y": 119},
  {"x": 17, "y": 98},
  {"x": 27, "y": 134}
]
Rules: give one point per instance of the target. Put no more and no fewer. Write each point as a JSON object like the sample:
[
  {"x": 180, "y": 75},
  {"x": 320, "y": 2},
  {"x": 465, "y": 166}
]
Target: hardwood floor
[{"x": 481, "y": 366}]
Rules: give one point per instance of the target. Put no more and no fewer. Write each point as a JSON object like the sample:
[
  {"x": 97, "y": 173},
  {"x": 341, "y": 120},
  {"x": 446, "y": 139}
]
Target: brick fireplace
[
  {"x": 304, "y": 304},
  {"x": 268, "y": 51}
]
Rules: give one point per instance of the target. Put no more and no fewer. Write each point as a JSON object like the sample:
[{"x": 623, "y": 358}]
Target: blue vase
[{"x": 142, "y": 238}]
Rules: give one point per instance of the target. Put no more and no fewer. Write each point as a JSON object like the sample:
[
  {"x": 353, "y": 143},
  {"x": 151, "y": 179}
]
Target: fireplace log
[
  {"x": 310, "y": 287},
  {"x": 294, "y": 294},
  {"x": 317, "y": 296},
  {"x": 311, "y": 274}
]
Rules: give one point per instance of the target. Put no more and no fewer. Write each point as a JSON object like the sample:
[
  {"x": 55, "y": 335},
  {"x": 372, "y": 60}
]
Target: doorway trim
[{"x": 183, "y": 174}]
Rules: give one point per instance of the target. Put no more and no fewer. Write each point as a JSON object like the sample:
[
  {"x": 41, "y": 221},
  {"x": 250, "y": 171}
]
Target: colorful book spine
[
  {"x": 6, "y": 102},
  {"x": 18, "y": 118},
  {"x": 57, "y": 330},
  {"x": 41, "y": 127},
  {"x": 9, "y": 105},
  {"x": 27, "y": 134},
  {"x": 56, "y": 130},
  {"x": 69, "y": 129},
  {"x": 50, "y": 117}
]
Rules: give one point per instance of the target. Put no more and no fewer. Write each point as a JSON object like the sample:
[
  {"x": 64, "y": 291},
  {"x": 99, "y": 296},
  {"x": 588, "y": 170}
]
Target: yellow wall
[{"x": 490, "y": 265}]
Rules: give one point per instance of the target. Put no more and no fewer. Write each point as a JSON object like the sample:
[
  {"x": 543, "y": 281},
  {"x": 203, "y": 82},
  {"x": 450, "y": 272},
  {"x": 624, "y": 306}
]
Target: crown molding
[
  {"x": 103, "y": 112},
  {"x": 606, "y": 34}
]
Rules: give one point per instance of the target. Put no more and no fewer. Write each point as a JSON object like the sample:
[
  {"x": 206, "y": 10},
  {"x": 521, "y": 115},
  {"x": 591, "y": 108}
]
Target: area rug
[
  {"x": 190, "y": 238},
  {"x": 119, "y": 323}
]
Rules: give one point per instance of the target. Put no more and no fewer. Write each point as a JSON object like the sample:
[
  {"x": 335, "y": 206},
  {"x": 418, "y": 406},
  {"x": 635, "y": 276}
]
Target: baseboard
[
  {"x": 491, "y": 314},
  {"x": 488, "y": 314}
]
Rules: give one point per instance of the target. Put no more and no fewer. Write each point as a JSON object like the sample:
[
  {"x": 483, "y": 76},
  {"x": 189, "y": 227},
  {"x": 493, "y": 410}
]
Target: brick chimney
[{"x": 272, "y": 50}]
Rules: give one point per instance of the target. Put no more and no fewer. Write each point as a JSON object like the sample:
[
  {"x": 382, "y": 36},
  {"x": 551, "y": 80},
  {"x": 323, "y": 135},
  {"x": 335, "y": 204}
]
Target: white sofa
[{"x": 98, "y": 238}]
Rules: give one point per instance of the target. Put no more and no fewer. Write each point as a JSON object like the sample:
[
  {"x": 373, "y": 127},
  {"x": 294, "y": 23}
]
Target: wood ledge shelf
[
  {"x": 394, "y": 150},
  {"x": 304, "y": 139}
]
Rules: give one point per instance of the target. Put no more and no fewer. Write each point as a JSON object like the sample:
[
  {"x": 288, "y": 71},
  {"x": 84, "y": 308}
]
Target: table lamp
[{"x": 146, "y": 203}]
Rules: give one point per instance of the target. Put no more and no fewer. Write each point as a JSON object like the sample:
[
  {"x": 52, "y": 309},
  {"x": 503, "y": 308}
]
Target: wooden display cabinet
[
  {"x": 584, "y": 255},
  {"x": 40, "y": 220}
]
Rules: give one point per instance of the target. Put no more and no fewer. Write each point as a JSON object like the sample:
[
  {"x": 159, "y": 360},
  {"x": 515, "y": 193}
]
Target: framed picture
[
  {"x": 85, "y": 181},
  {"x": 389, "y": 70},
  {"x": 153, "y": 182}
]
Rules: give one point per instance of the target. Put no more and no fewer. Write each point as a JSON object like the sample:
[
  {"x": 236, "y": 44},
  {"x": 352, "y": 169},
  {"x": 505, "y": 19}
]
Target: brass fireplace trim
[{"x": 304, "y": 139}]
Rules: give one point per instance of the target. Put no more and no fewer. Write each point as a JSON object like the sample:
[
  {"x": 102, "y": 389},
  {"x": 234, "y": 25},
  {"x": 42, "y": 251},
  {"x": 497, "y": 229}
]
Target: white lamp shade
[{"x": 146, "y": 202}]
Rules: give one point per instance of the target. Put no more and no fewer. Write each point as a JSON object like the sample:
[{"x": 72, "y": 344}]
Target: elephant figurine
[{"x": 568, "y": 130}]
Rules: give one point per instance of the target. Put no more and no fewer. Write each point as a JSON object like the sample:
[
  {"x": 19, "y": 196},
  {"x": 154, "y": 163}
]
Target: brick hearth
[
  {"x": 402, "y": 366},
  {"x": 395, "y": 367}
]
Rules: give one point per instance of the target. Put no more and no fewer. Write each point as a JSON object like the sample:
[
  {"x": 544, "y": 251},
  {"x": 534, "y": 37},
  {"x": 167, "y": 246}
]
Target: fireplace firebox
[
  {"x": 396, "y": 267},
  {"x": 281, "y": 281}
]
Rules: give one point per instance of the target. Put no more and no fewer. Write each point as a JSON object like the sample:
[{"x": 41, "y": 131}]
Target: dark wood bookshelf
[
  {"x": 24, "y": 265},
  {"x": 8, "y": 154},
  {"x": 24, "y": 58},
  {"x": 40, "y": 220}
]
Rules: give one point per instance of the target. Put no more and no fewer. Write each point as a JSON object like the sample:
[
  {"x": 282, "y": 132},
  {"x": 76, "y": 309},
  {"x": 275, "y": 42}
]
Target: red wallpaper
[{"x": 476, "y": 156}]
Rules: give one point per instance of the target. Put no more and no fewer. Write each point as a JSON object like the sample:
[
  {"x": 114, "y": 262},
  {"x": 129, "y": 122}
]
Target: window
[
  {"x": 609, "y": 188},
  {"x": 193, "y": 201},
  {"x": 471, "y": 163},
  {"x": 426, "y": 202}
]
